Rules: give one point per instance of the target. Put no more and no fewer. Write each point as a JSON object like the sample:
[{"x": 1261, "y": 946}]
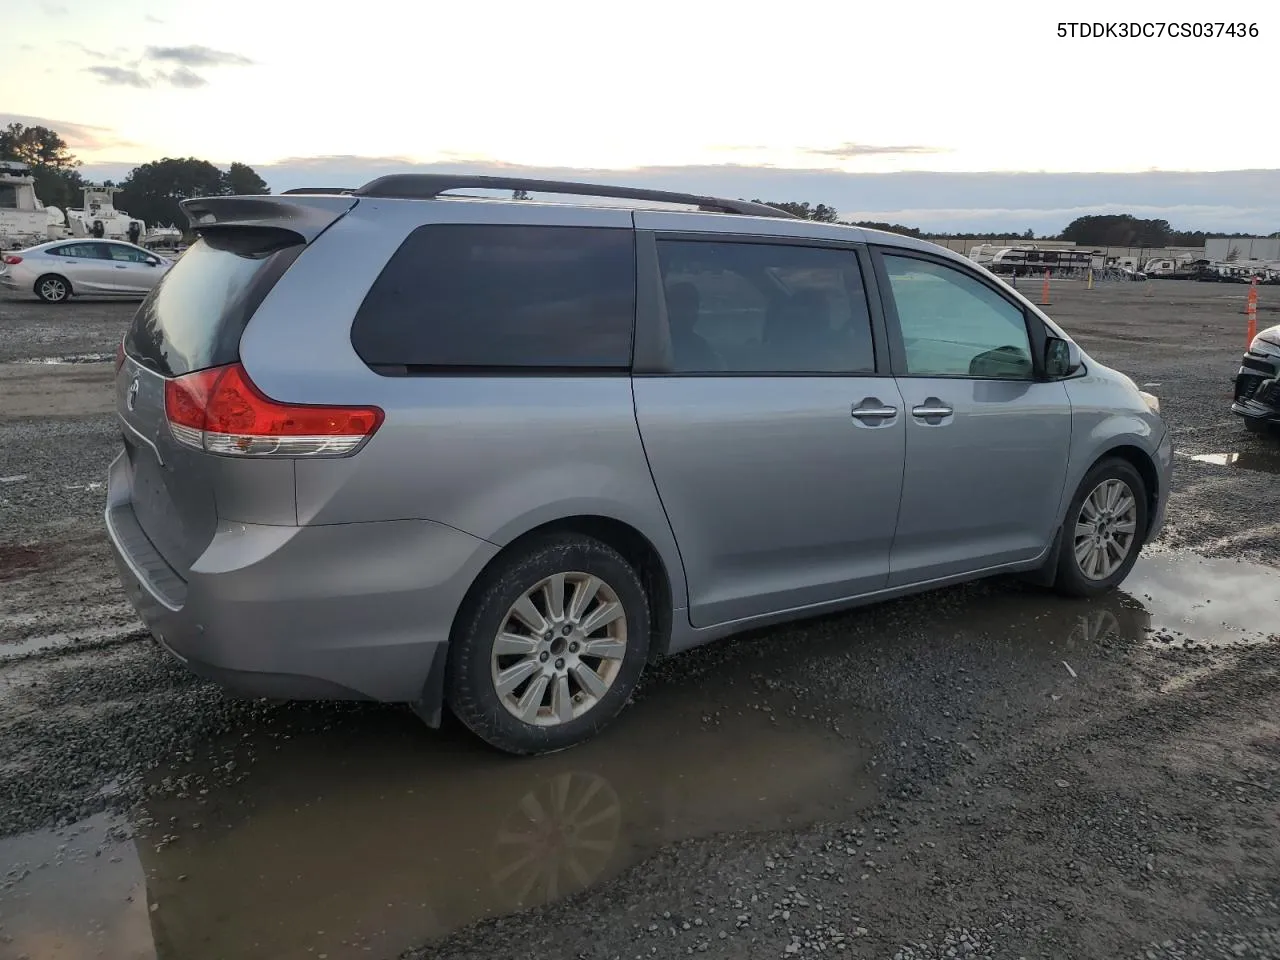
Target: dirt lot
[{"x": 984, "y": 772}]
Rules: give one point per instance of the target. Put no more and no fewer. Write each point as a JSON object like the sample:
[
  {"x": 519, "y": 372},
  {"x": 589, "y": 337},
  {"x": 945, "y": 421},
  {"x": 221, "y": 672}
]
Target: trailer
[{"x": 1031, "y": 260}]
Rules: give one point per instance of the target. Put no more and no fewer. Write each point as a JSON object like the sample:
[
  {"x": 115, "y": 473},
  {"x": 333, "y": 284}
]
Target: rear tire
[
  {"x": 527, "y": 691},
  {"x": 52, "y": 288},
  {"x": 1103, "y": 530}
]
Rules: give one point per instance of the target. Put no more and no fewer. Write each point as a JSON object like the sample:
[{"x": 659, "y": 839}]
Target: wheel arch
[{"x": 634, "y": 546}]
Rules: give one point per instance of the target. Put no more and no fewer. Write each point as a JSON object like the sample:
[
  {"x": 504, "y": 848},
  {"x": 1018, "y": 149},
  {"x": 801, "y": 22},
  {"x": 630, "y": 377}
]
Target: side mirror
[
  {"x": 1061, "y": 358},
  {"x": 153, "y": 262}
]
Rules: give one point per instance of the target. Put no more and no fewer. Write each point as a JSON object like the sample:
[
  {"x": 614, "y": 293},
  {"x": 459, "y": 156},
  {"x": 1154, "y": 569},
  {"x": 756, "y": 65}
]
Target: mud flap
[
  {"x": 1047, "y": 574},
  {"x": 430, "y": 705}
]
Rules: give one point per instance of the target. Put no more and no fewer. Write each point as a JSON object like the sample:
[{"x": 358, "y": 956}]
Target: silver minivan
[{"x": 395, "y": 444}]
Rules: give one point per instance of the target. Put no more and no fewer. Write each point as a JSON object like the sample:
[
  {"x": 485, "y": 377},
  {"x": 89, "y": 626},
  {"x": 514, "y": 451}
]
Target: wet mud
[{"x": 358, "y": 832}]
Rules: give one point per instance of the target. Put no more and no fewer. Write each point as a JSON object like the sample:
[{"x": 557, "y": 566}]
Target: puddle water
[
  {"x": 1212, "y": 601},
  {"x": 1263, "y": 461},
  {"x": 73, "y": 894},
  {"x": 372, "y": 837},
  {"x": 69, "y": 358},
  {"x": 356, "y": 833},
  {"x": 18, "y": 649}
]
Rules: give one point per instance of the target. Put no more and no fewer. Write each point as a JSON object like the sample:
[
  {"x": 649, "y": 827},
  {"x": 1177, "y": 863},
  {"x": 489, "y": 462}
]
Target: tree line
[
  {"x": 1104, "y": 230},
  {"x": 151, "y": 192}
]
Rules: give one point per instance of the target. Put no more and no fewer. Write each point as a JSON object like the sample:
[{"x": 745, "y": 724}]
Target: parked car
[
  {"x": 501, "y": 455},
  {"x": 1257, "y": 387},
  {"x": 61, "y": 269}
]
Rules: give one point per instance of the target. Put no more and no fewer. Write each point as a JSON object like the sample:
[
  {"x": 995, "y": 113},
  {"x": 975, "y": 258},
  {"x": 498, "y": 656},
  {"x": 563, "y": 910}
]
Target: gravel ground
[{"x": 988, "y": 771}]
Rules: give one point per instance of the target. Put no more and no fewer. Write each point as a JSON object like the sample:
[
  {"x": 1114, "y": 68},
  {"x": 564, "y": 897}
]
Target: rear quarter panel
[{"x": 494, "y": 456}]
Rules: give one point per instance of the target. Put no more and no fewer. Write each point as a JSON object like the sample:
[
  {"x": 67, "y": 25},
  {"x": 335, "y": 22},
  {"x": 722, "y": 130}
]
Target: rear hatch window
[{"x": 195, "y": 316}]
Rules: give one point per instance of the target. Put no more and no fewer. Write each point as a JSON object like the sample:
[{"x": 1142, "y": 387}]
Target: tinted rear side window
[
  {"x": 502, "y": 297},
  {"x": 765, "y": 308},
  {"x": 194, "y": 317}
]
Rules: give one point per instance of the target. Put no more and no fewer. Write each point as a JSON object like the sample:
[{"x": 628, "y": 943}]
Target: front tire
[
  {"x": 52, "y": 288},
  {"x": 1102, "y": 534},
  {"x": 549, "y": 645}
]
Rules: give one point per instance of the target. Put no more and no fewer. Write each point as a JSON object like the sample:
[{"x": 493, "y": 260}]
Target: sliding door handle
[{"x": 932, "y": 410}]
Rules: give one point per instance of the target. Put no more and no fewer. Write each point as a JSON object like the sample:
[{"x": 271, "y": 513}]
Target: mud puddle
[
  {"x": 372, "y": 836},
  {"x": 74, "y": 893},
  {"x": 1193, "y": 599},
  {"x": 354, "y": 832},
  {"x": 65, "y": 640},
  {"x": 1264, "y": 460},
  {"x": 67, "y": 359}
]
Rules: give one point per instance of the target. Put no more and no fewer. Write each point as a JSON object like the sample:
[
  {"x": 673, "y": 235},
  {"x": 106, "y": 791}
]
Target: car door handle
[
  {"x": 121, "y": 266},
  {"x": 872, "y": 412},
  {"x": 931, "y": 410}
]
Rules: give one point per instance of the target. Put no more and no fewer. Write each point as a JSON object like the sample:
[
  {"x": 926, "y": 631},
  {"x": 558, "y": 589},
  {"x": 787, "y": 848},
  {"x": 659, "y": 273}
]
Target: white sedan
[{"x": 61, "y": 269}]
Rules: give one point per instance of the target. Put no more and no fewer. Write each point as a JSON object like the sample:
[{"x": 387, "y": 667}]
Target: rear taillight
[
  {"x": 119, "y": 355},
  {"x": 12, "y": 259},
  {"x": 220, "y": 411}
]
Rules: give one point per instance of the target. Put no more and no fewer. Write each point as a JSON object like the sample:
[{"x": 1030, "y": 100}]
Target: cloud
[
  {"x": 79, "y": 136},
  {"x": 844, "y": 151},
  {"x": 198, "y": 56},
  {"x": 152, "y": 18},
  {"x": 119, "y": 76},
  {"x": 344, "y": 160},
  {"x": 183, "y": 78},
  {"x": 174, "y": 65},
  {"x": 117, "y": 54},
  {"x": 54, "y": 9},
  {"x": 847, "y": 151}
]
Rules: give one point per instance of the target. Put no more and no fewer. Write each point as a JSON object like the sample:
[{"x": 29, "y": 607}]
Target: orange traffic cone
[
  {"x": 1251, "y": 312},
  {"x": 1044, "y": 291}
]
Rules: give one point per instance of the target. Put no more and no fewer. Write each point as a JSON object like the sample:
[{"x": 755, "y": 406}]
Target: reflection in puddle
[
  {"x": 559, "y": 839},
  {"x": 355, "y": 832},
  {"x": 1207, "y": 601},
  {"x": 1262, "y": 461},
  {"x": 368, "y": 834},
  {"x": 72, "y": 894}
]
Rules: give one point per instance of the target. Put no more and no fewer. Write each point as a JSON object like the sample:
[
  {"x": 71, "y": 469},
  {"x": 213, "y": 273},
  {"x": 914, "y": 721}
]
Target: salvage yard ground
[{"x": 989, "y": 771}]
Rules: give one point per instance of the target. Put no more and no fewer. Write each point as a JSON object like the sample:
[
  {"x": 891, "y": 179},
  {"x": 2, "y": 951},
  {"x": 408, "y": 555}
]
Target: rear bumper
[{"x": 348, "y": 611}]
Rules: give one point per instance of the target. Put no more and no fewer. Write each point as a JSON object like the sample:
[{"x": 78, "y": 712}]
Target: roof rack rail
[
  {"x": 429, "y": 186},
  {"x": 321, "y": 190}
]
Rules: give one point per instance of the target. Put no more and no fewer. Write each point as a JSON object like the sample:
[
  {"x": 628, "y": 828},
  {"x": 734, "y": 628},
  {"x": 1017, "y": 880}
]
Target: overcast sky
[{"x": 799, "y": 100}]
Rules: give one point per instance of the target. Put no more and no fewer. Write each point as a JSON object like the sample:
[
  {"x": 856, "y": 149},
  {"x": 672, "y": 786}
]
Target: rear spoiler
[{"x": 306, "y": 215}]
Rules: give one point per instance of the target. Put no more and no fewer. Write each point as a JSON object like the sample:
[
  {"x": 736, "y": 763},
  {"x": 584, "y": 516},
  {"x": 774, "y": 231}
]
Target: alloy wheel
[
  {"x": 1106, "y": 529},
  {"x": 53, "y": 290},
  {"x": 559, "y": 649}
]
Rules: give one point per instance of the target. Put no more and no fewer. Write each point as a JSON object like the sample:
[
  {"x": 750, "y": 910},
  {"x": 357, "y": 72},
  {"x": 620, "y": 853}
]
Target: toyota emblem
[{"x": 131, "y": 398}]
